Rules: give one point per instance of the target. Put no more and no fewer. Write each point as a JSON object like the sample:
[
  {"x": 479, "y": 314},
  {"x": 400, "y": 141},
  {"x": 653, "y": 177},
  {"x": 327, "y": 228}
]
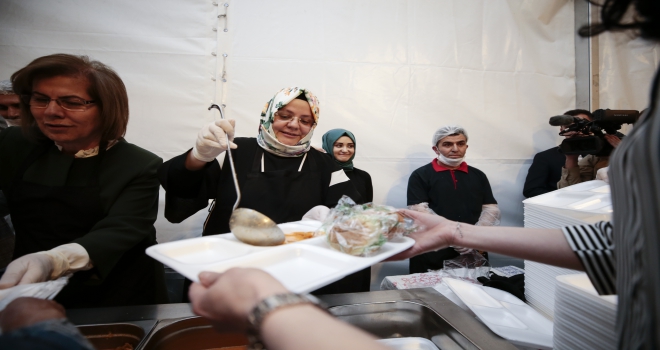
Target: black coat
[
  {"x": 544, "y": 173},
  {"x": 189, "y": 191},
  {"x": 362, "y": 182}
]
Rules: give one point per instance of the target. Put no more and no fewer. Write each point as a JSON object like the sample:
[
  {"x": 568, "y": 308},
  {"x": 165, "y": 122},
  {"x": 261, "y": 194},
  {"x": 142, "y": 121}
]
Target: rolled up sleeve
[{"x": 594, "y": 247}]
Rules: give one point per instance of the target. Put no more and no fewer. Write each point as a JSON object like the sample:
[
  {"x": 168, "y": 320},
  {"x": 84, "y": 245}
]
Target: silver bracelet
[
  {"x": 270, "y": 304},
  {"x": 458, "y": 228}
]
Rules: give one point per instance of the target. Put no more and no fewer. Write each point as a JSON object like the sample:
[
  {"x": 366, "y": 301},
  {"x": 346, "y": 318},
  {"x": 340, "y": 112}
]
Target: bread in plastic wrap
[{"x": 361, "y": 229}]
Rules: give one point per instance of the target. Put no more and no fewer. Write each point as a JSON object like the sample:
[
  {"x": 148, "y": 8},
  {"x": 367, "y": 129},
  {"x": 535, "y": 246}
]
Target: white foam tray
[
  {"x": 506, "y": 315},
  {"x": 302, "y": 266},
  {"x": 591, "y": 197}
]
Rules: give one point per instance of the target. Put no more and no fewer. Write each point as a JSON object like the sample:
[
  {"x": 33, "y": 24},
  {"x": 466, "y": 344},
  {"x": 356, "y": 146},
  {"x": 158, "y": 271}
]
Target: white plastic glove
[
  {"x": 318, "y": 213},
  {"x": 46, "y": 265},
  {"x": 601, "y": 174},
  {"x": 31, "y": 268},
  {"x": 212, "y": 140},
  {"x": 490, "y": 215}
]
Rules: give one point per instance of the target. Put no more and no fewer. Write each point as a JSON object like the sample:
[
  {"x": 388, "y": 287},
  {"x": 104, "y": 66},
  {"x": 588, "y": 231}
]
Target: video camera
[{"x": 589, "y": 137}]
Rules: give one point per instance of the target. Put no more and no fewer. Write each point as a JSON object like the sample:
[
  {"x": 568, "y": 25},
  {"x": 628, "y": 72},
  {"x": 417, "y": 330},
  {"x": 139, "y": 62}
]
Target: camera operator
[
  {"x": 546, "y": 168},
  {"x": 579, "y": 168}
]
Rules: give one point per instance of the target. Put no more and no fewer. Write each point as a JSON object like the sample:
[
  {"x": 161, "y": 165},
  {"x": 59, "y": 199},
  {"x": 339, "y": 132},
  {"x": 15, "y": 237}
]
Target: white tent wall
[
  {"x": 394, "y": 71},
  {"x": 391, "y": 71},
  {"x": 626, "y": 70}
]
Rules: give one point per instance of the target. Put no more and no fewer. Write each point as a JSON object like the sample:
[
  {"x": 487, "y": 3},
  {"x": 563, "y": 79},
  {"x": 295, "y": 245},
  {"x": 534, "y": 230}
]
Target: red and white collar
[{"x": 438, "y": 167}]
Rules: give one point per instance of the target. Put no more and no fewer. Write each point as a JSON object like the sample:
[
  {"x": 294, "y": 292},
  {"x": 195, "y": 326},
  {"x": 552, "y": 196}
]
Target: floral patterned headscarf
[{"x": 266, "y": 137}]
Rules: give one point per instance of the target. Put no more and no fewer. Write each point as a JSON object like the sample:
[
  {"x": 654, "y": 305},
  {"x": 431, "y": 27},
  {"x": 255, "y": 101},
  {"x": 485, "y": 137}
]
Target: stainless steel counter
[
  {"x": 128, "y": 313},
  {"x": 365, "y": 310}
]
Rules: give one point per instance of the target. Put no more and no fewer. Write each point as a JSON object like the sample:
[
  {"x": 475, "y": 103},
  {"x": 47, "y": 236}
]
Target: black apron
[
  {"x": 45, "y": 217},
  {"x": 291, "y": 195},
  {"x": 282, "y": 195}
]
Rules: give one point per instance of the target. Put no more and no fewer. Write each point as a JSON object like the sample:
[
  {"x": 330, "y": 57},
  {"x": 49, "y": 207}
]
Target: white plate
[
  {"x": 506, "y": 315},
  {"x": 302, "y": 266}
]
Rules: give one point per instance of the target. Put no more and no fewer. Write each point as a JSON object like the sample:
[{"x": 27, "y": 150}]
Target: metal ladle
[{"x": 250, "y": 226}]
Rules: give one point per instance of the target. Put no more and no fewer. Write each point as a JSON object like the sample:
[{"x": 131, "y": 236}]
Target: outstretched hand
[
  {"x": 435, "y": 233},
  {"x": 227, "y": 298}
]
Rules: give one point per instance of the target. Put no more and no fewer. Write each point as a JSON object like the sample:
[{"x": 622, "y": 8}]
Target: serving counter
[{"x": 386, "y": 314}]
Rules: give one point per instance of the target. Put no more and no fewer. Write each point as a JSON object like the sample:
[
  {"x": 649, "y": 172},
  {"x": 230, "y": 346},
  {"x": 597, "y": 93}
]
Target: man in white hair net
[
  {"x": 9, "y": 106},
  {"x": 452, "y": 189}
]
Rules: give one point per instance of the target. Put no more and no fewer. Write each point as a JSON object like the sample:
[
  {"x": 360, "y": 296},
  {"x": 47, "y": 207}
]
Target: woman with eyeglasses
[
  {"x": 280, "y": 175},
  {"x": 82, "y": 200}
]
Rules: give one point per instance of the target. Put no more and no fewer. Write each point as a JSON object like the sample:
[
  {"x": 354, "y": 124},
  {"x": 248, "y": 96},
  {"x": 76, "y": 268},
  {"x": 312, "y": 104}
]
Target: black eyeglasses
[
  {"x": 75, "y": 104},
  {"x": 305, "y": 122}
]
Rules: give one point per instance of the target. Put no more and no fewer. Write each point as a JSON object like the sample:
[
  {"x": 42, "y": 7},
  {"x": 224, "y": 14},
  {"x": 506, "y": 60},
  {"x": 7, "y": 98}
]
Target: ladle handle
[{"x": 231, "y": 160}]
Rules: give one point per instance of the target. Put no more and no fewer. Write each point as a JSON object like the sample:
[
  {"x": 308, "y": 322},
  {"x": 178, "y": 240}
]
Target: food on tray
[
  {"x": 361, "y": 229},
  {"x": 297, "y": 236}
]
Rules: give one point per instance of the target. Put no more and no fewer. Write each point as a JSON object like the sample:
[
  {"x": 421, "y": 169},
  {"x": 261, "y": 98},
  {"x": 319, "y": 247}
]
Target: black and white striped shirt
[
  {"x": 593, "y": 245},
  {"x": 623, "y": 256}
]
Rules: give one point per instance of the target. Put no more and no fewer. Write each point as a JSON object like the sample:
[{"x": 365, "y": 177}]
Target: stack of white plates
[
  {"x": 584, "y": 203},
  {"x": 540, "y": 286},
  {"x": 583, "y": 319}
]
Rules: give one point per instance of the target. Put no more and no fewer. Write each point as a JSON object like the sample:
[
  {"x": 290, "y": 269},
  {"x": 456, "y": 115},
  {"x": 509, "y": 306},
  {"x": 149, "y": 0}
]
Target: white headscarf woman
[{"x": 268, "y": 137}]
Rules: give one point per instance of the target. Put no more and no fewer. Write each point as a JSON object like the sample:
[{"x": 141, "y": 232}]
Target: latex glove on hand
[
  {"x": 318, "y": 213},
  {"x": 46, "y": 265},
  {"x": 212, "y": 140},
  {"x": 490, "y": 215},
  {"x": 31, "y": 268},
  {"x": 462, "y": 251}
]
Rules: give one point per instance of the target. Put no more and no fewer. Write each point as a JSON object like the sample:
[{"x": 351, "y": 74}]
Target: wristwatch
[{"x": 270, "y": 304}]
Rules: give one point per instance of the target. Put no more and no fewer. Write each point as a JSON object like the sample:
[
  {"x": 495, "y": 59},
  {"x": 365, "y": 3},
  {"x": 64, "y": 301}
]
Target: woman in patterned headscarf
[{"x": 279, "y": 173}]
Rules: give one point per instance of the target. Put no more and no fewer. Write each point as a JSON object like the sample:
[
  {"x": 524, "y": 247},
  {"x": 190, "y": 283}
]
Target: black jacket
[{"x": 544, "y": 172}]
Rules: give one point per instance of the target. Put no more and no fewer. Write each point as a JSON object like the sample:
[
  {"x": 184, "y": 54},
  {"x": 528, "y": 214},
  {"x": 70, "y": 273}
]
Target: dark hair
[
  {"x": 105, "y": 87},
  {"x": 645, "y": 21},
  {"x": 576, "y": 112}
]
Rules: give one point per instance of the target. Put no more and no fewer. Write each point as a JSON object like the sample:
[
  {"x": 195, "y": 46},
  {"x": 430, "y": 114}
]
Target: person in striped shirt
[{"x": 622, "y": 256}]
